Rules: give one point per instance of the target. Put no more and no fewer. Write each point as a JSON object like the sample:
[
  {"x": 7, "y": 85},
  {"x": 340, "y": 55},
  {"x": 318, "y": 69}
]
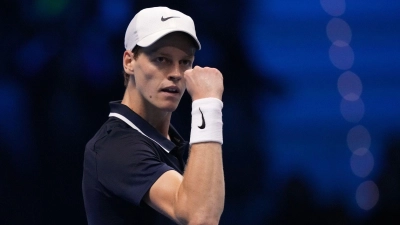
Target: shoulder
[
  {"x": 116, "y": 142},
  {"x": 122, "y": 148},
  {"x": 116, "y": 134}
]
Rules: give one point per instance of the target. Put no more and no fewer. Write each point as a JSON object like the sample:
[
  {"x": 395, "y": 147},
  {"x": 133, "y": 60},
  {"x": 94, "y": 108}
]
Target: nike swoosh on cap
[
  {"x": 203, "y": 123},
  {"x": 167, "y": 18}
]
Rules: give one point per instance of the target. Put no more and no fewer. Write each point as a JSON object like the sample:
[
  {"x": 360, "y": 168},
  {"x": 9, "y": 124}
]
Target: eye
[
  {"x": 186, "y": 62},
  {"x": 161, "y": 59}
]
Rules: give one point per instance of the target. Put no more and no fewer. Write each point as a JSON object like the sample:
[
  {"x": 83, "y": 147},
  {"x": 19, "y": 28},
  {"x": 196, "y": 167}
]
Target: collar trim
[{"x": 127, "y": 121}]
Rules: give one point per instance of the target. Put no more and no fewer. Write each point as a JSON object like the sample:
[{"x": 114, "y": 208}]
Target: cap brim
[{"x": 150, "y": 39}]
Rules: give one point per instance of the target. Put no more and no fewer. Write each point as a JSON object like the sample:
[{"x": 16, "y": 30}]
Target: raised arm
[{"x": 198, "y": 196}]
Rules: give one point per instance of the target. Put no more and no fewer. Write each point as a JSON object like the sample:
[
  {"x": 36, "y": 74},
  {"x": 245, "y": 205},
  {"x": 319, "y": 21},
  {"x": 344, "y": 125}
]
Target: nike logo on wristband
[
  {"x": 167, "y": 18},
  {"x": 203, "y": 124}
]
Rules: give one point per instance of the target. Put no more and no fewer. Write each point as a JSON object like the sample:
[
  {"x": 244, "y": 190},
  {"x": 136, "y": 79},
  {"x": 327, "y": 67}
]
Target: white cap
[{"x": 151, "y": 24}]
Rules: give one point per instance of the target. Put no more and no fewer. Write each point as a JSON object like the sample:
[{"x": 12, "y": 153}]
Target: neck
[{"x": 159, "y": 119}]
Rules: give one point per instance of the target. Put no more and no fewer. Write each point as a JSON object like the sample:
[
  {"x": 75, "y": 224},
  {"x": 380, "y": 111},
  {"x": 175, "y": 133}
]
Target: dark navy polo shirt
[{"x": 121, "y": 162}]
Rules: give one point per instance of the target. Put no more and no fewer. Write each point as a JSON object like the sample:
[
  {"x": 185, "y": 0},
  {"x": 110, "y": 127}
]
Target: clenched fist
[{"x": 204, "y": 83}]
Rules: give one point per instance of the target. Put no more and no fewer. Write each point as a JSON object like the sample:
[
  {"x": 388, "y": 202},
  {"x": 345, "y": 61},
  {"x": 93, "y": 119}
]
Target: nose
[{"x": 176, "y": 73}]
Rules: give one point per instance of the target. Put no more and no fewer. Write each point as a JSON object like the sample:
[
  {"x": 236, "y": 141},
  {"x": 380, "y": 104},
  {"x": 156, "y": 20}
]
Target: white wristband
[{"x": 206, "y": 121}]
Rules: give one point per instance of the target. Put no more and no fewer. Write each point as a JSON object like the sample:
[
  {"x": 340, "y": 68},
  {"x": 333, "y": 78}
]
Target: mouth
[{"x": 171, "y": 89}]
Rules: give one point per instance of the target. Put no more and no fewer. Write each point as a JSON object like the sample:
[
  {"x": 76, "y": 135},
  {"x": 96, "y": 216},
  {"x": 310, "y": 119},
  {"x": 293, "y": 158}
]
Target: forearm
[
  {"x": 202, "y": 192},
  {"x": 200, "y": 197}
]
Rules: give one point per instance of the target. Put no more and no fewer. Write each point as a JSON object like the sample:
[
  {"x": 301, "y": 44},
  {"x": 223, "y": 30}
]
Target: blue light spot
[
  {"x": 115, "y": 14},
  {"x": 99, "y": 64},
  {"x": 34, "y": 54},
  {"x": 14, "y": 123}
]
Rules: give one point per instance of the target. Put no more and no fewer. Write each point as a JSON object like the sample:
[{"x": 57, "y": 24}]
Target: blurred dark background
[{"x": 311, "y": 105}]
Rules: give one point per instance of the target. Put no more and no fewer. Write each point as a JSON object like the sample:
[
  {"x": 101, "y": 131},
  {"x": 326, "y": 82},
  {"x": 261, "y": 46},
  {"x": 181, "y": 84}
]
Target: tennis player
[{"x": 134, "y": 170}]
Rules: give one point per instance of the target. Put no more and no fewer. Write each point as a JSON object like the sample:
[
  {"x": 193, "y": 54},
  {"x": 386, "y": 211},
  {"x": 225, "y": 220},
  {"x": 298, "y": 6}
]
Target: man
[{"x": 133, "y": 166}]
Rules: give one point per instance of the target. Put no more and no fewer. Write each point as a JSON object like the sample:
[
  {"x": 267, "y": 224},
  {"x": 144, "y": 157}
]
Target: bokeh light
[
  {"x": 349, "y": 86},
  {"x": 338, "y": 30},
  {"x": 334, "y": 7},
  {"x": 358, "y": 137},
  {"x": 15, "y": 132},
  {"x": 352, "y": 111},
  {"x": 50, "y": 8},
  {"x": 341, "y": 55},
  {"x": 367, "y": 195},
  {"x": 114, "y": 14},
  {"x": 362, "y": 162}
]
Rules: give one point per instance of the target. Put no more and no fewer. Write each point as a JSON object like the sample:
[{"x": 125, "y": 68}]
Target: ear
[{"x": 128, "y": 62}]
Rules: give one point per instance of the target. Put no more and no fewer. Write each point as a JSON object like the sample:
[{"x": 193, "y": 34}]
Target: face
[{"x": 158, "y": 71}]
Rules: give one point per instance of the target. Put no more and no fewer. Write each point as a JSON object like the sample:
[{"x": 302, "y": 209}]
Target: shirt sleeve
[{"x": 128, "y": 165}]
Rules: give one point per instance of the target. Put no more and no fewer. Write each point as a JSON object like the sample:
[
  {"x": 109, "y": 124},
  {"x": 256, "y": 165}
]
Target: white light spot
[
  {"x": 352, "y": 111},
  {"x": 362, "y": 162},
  {"x": 333, "y": 7},
  {"x": 338, "y": 30},
  {"x": 349, "y": 86},
  {"x": 341, "y": 55},
  {"x": 367, "y": 195},
  {"x": 358, "y": 138}
]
